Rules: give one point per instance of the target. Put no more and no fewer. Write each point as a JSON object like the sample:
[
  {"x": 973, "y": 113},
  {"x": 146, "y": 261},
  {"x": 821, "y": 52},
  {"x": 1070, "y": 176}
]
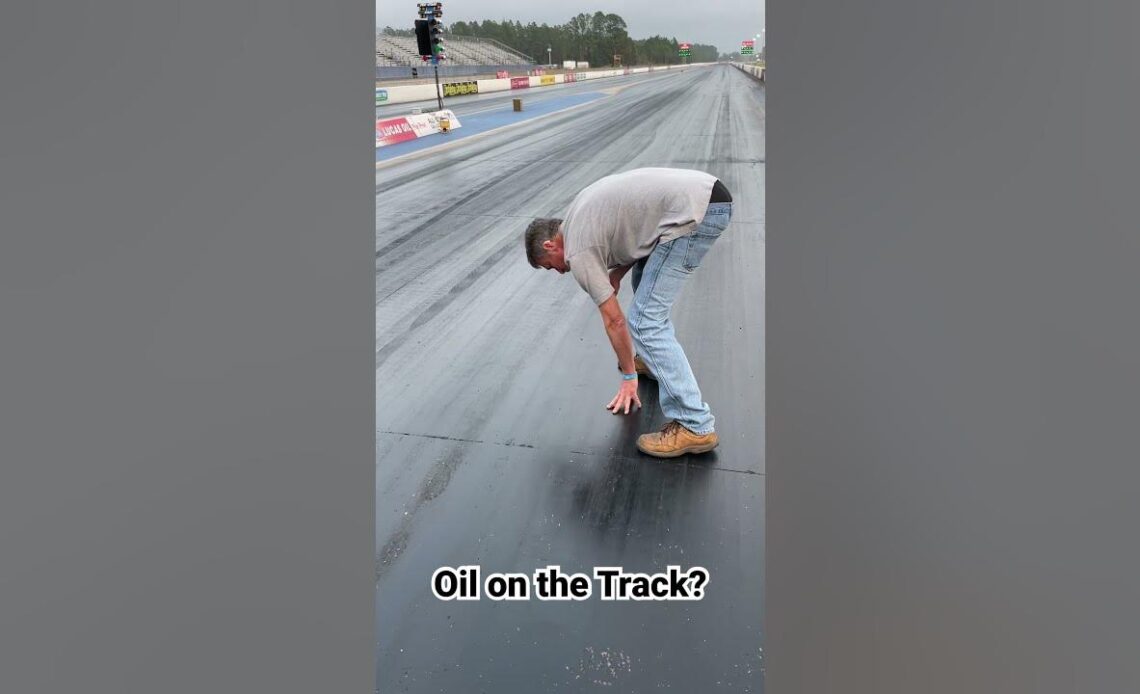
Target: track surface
[{"x": 493, "y": 444}]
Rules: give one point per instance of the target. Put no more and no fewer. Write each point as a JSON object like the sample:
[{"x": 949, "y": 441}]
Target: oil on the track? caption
[{"x": 550, "y": 583}]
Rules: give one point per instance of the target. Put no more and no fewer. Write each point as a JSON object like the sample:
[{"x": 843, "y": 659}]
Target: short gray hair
[{"x": 540, "y": 230}]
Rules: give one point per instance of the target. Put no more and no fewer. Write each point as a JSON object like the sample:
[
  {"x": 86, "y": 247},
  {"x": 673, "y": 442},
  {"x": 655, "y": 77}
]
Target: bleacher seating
[{"x": 460, "y": 50}]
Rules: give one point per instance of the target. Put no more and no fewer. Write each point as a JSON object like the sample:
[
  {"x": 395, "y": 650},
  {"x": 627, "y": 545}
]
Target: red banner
[
  {"x": 393, "y": 130},
  {"x": 502, "y": 74},
  {"x": 520, "y": 82},
  {"x": 569, "y": 77}
]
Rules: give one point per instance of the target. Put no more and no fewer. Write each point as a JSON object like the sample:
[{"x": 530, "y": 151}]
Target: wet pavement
[{"x": 493, "y": 444}]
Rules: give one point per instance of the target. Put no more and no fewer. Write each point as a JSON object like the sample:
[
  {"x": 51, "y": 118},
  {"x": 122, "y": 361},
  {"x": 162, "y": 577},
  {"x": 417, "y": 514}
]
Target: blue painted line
[{"x": 488, "y": 120}]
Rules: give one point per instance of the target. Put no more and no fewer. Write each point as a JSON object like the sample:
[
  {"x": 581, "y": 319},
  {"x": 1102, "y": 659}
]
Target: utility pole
[
  {"x": 548, "y": 63},
  {"x": 438, "y": 91}
]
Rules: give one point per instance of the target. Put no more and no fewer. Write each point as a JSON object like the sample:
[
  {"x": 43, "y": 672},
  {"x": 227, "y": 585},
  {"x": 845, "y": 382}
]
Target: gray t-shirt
[{"x": 621, "y": 218}]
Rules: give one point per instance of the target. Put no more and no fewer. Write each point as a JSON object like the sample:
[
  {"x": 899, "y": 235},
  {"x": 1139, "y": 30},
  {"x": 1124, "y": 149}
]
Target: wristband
[{"x": 629, "y": 377}]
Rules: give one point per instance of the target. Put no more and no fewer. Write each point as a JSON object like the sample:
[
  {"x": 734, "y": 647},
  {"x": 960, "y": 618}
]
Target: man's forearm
[{"x": 618, "y": 332}]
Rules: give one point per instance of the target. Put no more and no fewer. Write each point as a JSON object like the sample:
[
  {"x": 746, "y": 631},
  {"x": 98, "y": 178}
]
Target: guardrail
[
  {"x": 756, "y": 71},
  {"x": 406, "y": 93}
]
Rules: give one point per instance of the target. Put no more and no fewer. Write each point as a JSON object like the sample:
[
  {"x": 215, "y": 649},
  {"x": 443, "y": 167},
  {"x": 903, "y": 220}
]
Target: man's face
[{"x": 555, "y": 258}]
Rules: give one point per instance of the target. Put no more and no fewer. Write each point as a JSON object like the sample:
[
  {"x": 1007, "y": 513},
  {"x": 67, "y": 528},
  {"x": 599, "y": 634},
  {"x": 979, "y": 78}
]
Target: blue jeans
[{"x": 657, "y": 280}]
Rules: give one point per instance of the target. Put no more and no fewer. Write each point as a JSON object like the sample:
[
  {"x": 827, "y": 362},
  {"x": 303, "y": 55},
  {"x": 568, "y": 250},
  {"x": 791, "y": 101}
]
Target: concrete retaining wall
[{"x": 422, "y": 92}]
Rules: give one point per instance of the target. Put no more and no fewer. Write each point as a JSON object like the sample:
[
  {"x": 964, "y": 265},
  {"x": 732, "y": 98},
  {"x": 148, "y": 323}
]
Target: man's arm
[
  {"x": 618, "y": 332},
  {"x": 617, "y": 274}
]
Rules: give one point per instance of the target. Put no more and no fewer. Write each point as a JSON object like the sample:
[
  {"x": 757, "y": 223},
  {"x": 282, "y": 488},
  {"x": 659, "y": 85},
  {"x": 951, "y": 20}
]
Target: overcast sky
[{"x": 722, "y": 23}]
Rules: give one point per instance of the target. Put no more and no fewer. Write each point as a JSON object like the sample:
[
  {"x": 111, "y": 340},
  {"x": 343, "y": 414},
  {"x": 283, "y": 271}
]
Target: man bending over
[{"x": 659, "y": 223}]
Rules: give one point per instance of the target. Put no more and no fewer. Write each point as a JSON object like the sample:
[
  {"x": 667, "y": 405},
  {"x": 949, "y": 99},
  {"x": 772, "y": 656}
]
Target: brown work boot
[{"x": 675, "y": 440}]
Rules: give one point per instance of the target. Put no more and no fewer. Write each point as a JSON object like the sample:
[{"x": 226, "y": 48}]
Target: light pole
[{"x": 548, "y": 63}]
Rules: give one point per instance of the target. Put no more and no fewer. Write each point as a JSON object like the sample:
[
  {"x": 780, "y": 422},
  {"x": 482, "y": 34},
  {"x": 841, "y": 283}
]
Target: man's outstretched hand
[{"x": 625, "y": 399}]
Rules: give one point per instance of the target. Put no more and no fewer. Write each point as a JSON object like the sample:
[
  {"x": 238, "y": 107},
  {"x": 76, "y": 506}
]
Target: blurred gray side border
[
  {"x": 186, "y": 312},
  {"x": 953, "y": 347},
  {"x": 186, "y": 347}
]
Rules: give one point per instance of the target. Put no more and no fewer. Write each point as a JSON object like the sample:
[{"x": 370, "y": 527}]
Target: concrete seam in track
[{"x": 675, "y": 462}]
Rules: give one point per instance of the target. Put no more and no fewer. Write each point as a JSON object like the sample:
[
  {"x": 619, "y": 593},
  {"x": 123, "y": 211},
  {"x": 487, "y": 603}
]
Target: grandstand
[{"x": 397, "y": 55}]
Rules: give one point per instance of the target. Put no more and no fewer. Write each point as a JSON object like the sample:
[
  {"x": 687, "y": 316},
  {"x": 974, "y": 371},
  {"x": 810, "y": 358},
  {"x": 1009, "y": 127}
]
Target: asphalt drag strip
[{"x": 494, "y": 448}]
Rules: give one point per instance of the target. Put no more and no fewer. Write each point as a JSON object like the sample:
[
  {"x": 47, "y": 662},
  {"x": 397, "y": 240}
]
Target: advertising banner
[
  {"x": 569, "y": 77},
  {"x": 381, "y": 96},
  {"x": 428, "y": 123},
  {"x": 389, "y": 131},
  {"x": 460, "y": 88},
  {"x": 502, "y": 74},
  {"x": 520, "y": 82},
  {"x": 547, "y": 79}
]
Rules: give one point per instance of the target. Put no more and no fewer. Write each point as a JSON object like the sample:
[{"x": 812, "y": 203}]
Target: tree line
[{"x": 595, "y": 38}]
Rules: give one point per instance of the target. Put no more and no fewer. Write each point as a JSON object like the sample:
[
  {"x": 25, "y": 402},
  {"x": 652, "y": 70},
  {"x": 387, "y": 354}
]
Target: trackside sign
[{"x": 460, "y": 88}]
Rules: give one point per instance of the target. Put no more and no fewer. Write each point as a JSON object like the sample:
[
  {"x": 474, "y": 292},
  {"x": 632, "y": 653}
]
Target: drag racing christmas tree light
[
  {"x": 436, "y": 39},
  {"x": 429, "y": 40}
]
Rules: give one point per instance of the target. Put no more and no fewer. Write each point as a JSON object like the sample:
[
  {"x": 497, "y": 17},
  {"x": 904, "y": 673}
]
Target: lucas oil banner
[{"x": 389, "y": 131}]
